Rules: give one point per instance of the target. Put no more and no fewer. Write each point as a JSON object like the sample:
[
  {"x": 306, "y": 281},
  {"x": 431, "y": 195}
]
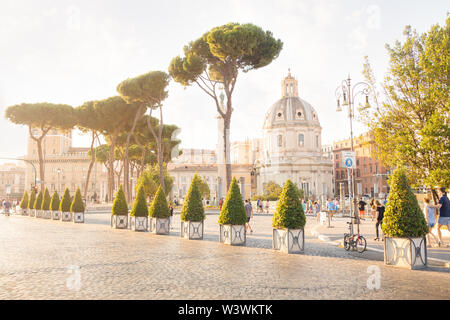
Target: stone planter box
[
  {"x": 66, "y": 216},
  {"x": 119, "y": 222},
  {"x": 38, "y": 213},
  {"x": 232, "y": 234},
  {"x": 56, "y": 215},
  {"x": 288, "y": 240},
  {"x": 23, "y": 212},
  {"x": 46, "y": 214},
  {"x": 192, "y": 230},
  {"x": 408, "y": 253},
  {"x": 78, "y": 217},
  {"x": 139, "y": 223},
  {"x": 32, "y": 212},
  {"x": 159, "y": 225}
]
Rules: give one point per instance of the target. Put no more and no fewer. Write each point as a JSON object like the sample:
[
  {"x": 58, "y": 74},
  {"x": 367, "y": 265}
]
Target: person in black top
[
  {"x": 361, "y": 205},
  {"x": 380, "y": 216}
]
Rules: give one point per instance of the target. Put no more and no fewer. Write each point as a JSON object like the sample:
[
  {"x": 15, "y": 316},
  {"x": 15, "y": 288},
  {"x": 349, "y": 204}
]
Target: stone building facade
[
  {"x": 12, "y": 181},
  {"x": 65, "y": 166},
  {"x": 370, "y": 175}
]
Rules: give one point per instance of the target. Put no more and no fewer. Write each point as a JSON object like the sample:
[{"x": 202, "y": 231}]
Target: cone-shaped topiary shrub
[
  {"x": 38, "y": 202},
  {"x": 289, "y": 213},
  {"x": 24, "y": 202},
  {"x": 64, "y": 205},
  {"x": 77, "y": 204},
  {"x": 46, "y": 200},
  {"x": 192, "y": 209},
  {"x": 233, "y": 211},
  {"x": 403, "y": 217},
  {"x": 159, "y": 207},
  {"x": 32, "y": 199},
  {"x": 120, "y": 206},
  {"x": 54, "y": 203},
  {"x": 140, "y": 208}
]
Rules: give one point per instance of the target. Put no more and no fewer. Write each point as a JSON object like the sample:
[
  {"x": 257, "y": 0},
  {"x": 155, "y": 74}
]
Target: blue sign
[{"x": 348, "y": 163}]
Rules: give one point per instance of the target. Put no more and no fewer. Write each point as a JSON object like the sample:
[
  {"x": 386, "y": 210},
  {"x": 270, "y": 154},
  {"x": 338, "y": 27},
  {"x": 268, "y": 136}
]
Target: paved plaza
[{"x": 46, "y": 259}]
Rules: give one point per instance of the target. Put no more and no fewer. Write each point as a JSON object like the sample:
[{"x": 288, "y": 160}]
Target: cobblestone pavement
[{"x": 43, "y": 259}]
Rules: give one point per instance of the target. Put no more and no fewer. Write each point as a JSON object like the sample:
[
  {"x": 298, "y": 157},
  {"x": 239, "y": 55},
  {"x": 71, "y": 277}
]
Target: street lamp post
[
  {"x": 348, "y": 94},
  {"x": 59, "y": 181}
]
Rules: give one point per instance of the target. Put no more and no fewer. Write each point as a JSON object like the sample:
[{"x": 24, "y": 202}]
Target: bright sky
[{"x": 74, "y": 51}]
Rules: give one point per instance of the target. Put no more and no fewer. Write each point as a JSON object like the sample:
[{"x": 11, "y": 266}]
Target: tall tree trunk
[
  {"x": 126, "y": 165},
  {"x": 111, "y": 173},
  {"x": 158, "y": 139},
  {"x": 226, "y": 150},
  {"x": 91, "y": 164},
  {"x": 40, "y": 154}
]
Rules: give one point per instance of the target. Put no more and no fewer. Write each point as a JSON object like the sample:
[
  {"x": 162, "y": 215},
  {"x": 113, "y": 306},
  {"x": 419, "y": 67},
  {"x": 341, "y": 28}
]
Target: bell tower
[{"x": 289, "y": 86}]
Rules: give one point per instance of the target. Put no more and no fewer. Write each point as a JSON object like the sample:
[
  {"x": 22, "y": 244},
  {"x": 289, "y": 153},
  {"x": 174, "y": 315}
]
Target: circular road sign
[{"x": 349, "y": 162}]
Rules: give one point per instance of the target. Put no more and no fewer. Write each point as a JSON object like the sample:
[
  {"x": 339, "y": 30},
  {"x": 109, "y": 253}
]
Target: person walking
[
  {"x": 380, "y": 215},
  {"x": 249, "y": 211},
  {"x": 373, "y": 212},
  {"x": 7, "y": 206},
  {"x": 220, "y": 203},
  {"x": 267, "y": 206},
  {"x": 430, "y": 216},
  {"x": 317, "y": 211},
  {"x": 171, "y": 215},
  {"x": 444, "y": 214},
  {"x": 361, "y": 206}
]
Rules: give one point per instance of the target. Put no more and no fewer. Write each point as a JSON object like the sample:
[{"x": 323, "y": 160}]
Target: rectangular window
[{"x": 280, "y": 140}]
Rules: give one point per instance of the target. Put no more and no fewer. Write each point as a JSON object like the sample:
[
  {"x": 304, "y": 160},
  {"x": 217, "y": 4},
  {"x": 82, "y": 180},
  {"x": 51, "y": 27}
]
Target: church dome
[{"x": 290, "y": 110}]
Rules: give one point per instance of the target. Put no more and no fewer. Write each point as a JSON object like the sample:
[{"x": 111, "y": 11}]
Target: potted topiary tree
[
  {"x": 24, "y": 204},
  {"x": 139, "y": 212},
  {"x": 38, "y": 205},
  {"x": 46, "y": 214},
  {"x": 119, "y": 211},
  {"x": 31, "y": 201},
  {"x": 77, "y": 207},
  {"x": 404, "y": 225},
  {"x": 289, "y": 221},
  {"x": 54, "y": 206},
  {"x": 159, "y": 214},
  {"x": 192, "y": 213},
  {"x": 232, "y": 217},
  {"x": 64, "y": 206}
]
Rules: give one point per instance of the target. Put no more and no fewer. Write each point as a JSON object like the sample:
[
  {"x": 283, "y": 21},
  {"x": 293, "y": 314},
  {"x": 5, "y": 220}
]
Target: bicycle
[{"x": 355, "y": 241}]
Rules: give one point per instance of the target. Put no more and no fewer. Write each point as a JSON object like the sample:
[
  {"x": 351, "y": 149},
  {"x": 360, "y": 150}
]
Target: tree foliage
[
  {"x": 215, "y": 59},
  {"x": 149, "y": 179},
  {"x": 403, "y": 217},
  {"x": 139, "y": 208},
  {"x": 159, "y": 207},
  {"x": 411, "y": 127},
  {"x": 64, "y": 205},
  {"x": 46, "y": 200},
  {"x": 54, "y": 203},
  {"x": 77, "y": 203},
  {"x": 32, "y": 199},
  {"x": 192, "y": 209},
  {"x": 24, "y": 201},
  {"x": 120, "y": 206},
  {"x": 233, "y": 211},
  {"x": 289, "y": 212},
  {"x": 38, "y": 202}
]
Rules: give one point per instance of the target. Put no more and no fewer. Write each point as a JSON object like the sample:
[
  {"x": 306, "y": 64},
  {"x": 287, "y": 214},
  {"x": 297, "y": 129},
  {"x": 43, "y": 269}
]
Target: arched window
[{"x": 301, "y": 140}]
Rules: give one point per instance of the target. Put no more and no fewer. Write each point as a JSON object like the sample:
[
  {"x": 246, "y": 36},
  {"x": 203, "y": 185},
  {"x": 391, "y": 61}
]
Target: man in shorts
[
  {"x": 444, "y": 213},
  {"x": 249, "y": 212}
]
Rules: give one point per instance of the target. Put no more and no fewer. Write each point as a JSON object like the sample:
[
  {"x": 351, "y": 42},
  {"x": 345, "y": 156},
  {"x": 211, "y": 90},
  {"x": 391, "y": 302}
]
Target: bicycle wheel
[
  {"x": 360, "y": 244},
  {"x": 347, "y": 242}
]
